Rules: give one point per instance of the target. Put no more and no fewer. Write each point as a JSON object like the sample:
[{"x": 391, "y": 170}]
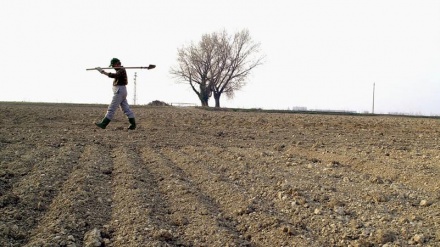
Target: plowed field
[{"x": 191, "y": 177}]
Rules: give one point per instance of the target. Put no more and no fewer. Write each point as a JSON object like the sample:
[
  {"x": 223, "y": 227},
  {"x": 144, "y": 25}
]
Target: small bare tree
[{"x": 218, "y": 64}]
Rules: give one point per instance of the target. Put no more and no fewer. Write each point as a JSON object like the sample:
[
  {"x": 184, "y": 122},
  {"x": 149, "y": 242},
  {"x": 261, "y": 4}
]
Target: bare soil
[{"x": 191, "y": 177}]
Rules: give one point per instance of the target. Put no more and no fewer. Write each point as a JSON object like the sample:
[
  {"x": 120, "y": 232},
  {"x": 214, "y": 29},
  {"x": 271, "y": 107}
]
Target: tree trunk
[
  {"x": 217, "y": 99},
  {"x": 204, "y": 95},
  {"x": 204, "y": 103}
]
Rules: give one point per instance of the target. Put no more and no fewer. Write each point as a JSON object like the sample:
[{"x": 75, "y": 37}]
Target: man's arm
[{"x": 102, "y": 71}]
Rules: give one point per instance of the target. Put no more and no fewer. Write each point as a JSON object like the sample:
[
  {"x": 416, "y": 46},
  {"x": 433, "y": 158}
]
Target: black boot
[
  {"x": 104, "y": 123},
  {"x": 132, "y": 124}
]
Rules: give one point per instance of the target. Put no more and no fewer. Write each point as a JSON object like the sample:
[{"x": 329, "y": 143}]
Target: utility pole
[
  {"x": 134, "y": 97},
  {"x": 374, "y": 89}
]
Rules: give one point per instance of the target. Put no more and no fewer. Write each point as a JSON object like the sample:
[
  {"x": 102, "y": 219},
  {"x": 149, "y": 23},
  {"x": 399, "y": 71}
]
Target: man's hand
[{"x": 100, "y": 70}]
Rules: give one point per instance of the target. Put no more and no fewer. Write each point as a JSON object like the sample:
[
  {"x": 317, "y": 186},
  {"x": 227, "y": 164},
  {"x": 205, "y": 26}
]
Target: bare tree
[
  {"x": 235, "y": 58},
  {"x": 194, "y": 66},
  {"x": 218, "y": 64}
]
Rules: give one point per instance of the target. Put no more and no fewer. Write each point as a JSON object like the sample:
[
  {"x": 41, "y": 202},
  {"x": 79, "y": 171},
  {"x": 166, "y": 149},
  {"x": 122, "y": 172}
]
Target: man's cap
[{"x": 113, "y": 61}]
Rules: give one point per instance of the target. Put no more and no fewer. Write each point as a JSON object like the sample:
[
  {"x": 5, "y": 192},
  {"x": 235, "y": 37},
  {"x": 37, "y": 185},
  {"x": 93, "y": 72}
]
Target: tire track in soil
[
  {"x": 138, "y": 209},
  {"x": 34, "y": 191},
  {"x": 193, "y": 214},
  {"x": 82, "y": 204},
  {"x": 256, "y": 221}
]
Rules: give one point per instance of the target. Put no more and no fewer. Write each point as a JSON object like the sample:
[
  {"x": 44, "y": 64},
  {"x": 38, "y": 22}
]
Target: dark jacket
[{"x": 120, "y": 77}]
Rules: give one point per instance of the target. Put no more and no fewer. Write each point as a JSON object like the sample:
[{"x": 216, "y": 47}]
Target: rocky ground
[{"x": 191, "y": 177}]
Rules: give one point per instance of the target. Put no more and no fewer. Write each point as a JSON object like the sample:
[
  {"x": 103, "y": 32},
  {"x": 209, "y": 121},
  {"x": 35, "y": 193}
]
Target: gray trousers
[{"x": 119, "y": 100}]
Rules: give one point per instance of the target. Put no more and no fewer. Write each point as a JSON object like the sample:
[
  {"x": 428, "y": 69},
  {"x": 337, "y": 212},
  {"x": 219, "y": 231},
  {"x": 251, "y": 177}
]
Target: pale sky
[{"x": 320, "y": 54}]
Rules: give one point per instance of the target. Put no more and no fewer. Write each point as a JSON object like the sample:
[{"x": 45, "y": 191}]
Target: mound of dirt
[
  {"x": 157, "y": 103},
  {"x": 190, "y": 177}
]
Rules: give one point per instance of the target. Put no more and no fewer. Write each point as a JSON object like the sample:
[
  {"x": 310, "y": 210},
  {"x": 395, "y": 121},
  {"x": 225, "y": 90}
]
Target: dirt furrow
[
  {"x": 82, "y": 204},
  {"x": 17, "y": 161},
  {"x": 255, "y": 219},
  {"x": 193, "y": 213},
  {"x": 139, "y": 210},
  {"x": 35, "y": 192}
]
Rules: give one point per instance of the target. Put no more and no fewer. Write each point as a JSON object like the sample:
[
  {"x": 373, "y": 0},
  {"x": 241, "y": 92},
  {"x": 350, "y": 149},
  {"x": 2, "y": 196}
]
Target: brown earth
[{"x": 191, "y": 177}]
